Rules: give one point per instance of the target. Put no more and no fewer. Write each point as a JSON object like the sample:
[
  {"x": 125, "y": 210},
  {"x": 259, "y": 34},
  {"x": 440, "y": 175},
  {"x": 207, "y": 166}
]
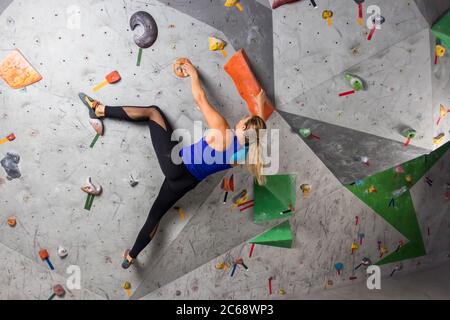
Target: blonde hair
[{"x": 255, "y": 162}]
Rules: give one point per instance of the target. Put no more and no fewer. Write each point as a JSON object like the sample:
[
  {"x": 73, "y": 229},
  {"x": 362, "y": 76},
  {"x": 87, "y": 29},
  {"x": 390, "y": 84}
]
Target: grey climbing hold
[
  {"x": 133, "y": 182},
  {"x": 62, "y": 252},
  {"x": 146, "y": 21},
  {"x": 11, "y": 165}
]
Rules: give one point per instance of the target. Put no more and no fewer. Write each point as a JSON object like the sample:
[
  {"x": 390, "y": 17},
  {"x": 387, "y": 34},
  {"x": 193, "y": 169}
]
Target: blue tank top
[{"x": 202, "y": 161}]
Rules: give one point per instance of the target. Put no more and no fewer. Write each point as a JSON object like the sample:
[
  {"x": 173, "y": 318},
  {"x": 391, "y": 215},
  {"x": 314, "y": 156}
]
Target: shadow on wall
[
  {"x": 431, "y": 284},
  {"x": 432, "y": 10},
  {"x": 4, "y": 4}
]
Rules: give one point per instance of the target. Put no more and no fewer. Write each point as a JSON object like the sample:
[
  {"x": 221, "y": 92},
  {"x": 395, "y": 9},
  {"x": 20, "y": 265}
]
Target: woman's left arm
[
  {"x": 260, "y": 101},
  {"x": 213, "y": 118}
]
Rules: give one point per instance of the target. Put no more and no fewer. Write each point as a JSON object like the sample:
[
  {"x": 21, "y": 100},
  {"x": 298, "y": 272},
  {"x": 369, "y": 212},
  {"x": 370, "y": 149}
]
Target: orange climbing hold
[
  {"x": 9, "y": 138},
  {"x": 178, "y": 67},
  {"x": 111, "y": 78},
  {"x": 246, "y": 83},
  {"x": 12, "y": 222},
  {"x": 17, "y": 71}
]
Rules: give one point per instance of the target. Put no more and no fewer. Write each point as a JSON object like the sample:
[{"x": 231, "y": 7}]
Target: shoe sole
[
  {"x": 95, "y": 121},
  {"x": 83, "y": 97}
]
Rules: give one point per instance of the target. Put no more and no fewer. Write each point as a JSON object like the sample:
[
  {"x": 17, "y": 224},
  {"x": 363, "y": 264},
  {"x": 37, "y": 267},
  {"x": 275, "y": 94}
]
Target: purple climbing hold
[{"x": 279, "y": 3}]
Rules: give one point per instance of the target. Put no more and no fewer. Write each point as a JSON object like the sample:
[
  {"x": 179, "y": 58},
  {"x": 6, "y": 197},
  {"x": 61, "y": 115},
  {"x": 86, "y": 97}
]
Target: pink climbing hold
[{"x": 279, "y": 3}]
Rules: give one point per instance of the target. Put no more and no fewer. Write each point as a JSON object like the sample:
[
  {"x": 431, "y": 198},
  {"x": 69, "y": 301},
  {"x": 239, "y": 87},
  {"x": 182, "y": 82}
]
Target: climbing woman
[{"x": 226, "y": 147}]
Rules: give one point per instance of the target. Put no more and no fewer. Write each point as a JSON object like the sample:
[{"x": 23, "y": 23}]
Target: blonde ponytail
[{"x": 255, "y": 161}]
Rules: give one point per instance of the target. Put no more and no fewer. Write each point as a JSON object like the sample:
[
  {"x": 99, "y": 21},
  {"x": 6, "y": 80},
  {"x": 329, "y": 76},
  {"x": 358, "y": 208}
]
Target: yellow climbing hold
[
  {"x": 440, "y": 51},
  {"x": 306, "y": 189},
  {"x": 409, "y": 178},
  {"x": 239, "y": 202},
  {"x": 216, "y": 44},
  {"x": 439, "y": 139},
  {"x": 232, "y": 3},
  {"x": 328, "y": 15},
  {"x": 127, "y": 287},
  {"x": 383, "y": 250},
  {"x": 181, "y": 213},
  {"x": 443, "y": 112},
  {"x": 222, "y": 266}
]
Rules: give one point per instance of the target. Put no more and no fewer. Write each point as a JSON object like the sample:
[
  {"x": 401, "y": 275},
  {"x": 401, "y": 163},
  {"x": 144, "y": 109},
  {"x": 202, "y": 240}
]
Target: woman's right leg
[{"x": 160, "y": 131}]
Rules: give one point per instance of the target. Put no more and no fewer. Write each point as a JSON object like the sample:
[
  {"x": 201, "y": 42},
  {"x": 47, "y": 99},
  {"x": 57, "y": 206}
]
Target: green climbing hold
[
  {"x": 89, "y": 202},
  {"x": 305, "y": 133},
  {"x": 441, "y": 30},
  {"x": 355, "y": 82},
  {"x": 94, "y": 141},
  {"x": 279, "y": 236},
  {"x": 275, "y": 199},
  {"x": 409, "y": 133}
]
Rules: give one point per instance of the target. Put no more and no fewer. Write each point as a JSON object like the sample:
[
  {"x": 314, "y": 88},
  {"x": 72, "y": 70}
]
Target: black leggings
[{"x": 178, "y": 180}]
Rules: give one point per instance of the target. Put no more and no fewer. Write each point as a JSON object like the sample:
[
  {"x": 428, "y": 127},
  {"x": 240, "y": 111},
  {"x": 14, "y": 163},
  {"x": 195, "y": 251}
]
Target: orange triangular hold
[
  {"x": 245, "y": 81},
  {"x": 17, "y": 71}
]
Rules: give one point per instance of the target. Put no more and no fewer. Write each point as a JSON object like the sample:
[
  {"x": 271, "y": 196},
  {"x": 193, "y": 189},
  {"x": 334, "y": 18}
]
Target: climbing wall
[
  {"x": 55, "y": 153},
  {"x": 310, "y": 60},
  {"x": 301, "y": 62},
  {"x": 323, "y": 234}
]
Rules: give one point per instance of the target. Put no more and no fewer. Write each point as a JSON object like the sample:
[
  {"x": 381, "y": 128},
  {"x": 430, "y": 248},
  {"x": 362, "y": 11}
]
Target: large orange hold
[
  {"x": 246, "y": 83},
  {"x": 17, "y": 71}
]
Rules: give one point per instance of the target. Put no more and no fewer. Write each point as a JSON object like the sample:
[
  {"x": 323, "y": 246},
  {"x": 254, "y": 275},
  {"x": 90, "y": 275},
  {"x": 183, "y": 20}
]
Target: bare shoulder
[{"x": 220, "y": 139}]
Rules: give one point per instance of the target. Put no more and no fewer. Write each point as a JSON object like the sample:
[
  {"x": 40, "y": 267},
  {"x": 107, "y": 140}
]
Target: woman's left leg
[{"x": 165, "y": 200}]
